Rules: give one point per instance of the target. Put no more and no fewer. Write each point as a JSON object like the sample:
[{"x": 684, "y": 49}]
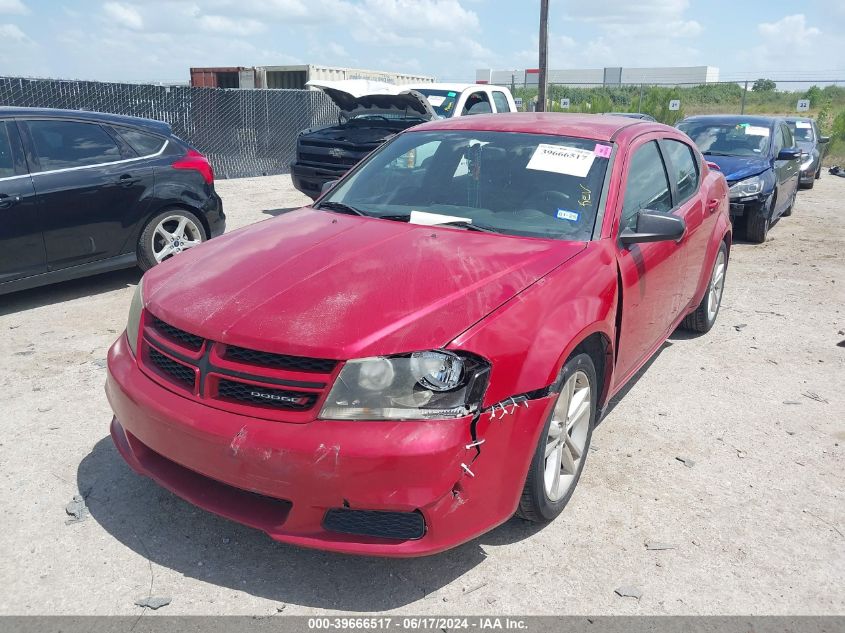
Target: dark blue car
[{"x": 760, "y": 161}]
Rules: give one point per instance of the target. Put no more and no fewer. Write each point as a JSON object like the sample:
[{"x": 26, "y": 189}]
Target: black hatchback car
[{"x": 83, "y": 193}]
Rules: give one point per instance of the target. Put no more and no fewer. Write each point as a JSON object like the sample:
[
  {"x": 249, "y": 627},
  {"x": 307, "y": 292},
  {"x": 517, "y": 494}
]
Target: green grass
[{"x": 827, "y": 105}]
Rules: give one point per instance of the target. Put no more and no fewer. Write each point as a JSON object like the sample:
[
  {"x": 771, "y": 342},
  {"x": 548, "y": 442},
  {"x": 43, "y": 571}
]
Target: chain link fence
[{"x": 242, "y": 132}]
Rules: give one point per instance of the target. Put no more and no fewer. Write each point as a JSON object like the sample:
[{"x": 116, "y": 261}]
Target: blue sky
[{"x": 158, "y": 40}]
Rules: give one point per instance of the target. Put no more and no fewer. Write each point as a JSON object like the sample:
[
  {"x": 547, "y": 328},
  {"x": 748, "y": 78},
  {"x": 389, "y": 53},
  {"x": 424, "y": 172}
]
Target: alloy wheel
[
  {"x": 717, "y": 285},
  {"x": 567, "y": 437},
  {"x": 174, "y": 234}
]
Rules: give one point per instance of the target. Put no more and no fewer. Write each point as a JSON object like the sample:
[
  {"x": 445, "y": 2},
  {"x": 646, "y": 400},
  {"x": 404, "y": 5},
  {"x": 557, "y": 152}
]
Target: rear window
[{"x": 143, "y": 143}]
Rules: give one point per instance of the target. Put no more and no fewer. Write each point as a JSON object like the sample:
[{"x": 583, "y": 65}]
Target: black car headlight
[
  {"x": 419, "y": 386},
  {"x": 133, "y": 323}
]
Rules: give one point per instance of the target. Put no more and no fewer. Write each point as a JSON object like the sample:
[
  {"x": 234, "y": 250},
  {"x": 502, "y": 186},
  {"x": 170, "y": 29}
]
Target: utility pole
[
  {"x": 544, "y": 61},
  {"x": 744, "y": 92}
]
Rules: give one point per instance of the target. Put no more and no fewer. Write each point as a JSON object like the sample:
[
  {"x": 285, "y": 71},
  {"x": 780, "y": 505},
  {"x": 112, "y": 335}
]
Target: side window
[
  {"x": 7, "y": 163},
  {"x": 477, "y": 103},
  {"x": 144, "y": 144},
  {"x": 63, "y": 144},
  {"x": 647, "y": 186},
  {"x": 684, "y": 169},
  {"x": 501, "y": 101},
  {"x": 788, "y": 140},
  {"x": 779, "y": 139}
]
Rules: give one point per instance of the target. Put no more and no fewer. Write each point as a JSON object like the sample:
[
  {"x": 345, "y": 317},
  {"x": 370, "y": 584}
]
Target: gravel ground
[{"x": 756, "y": 523}]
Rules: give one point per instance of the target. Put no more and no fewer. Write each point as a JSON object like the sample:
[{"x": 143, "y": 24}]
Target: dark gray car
[{"x": 812, "y": 146}]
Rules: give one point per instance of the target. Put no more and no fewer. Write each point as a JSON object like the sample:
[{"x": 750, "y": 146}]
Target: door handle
[
  {"x": 712, "y": 205},
  {"x": 127, "y": 180},
  {"x": 7, "y": 201}
]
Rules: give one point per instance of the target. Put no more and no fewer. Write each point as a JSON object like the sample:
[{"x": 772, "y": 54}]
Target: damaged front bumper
[
  {"x": 309, "y": 179},
  {"x": 451, "y": 480}
]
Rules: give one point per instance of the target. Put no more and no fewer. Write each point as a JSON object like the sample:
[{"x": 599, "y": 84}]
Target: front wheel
[
  {"x": 563, "y": 444},
  {"x": 168, "y": 234},
  {"x": 757, "y": 222},
  {"x": 704, "y": 317}
]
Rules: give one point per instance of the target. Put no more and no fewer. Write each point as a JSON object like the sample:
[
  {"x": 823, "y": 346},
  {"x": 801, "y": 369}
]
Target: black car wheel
[
  {"x": 757, "y": 222},
  {"x": 168, "y": 234}
]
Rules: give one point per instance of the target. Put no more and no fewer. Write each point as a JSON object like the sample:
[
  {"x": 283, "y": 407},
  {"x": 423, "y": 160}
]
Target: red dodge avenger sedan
[{"x": 427, "y": 349}]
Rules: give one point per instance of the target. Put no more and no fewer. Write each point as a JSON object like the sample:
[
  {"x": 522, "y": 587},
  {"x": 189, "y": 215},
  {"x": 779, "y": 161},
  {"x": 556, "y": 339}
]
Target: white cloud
[
  {"x": 789, "y": 44},
  {"x": 230, "y": 26},
  {"x": 15, "y": 7},
  {"x": 124, "y": 15},
  {"x": 13, "y": 33}
]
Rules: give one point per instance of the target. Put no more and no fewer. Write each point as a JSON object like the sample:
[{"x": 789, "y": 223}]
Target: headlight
[
  {"x": 418, "y": 386},
  {"x": 748, "y": 187},
  {"x": 807, "y": 159},
  {"x": 133, "y": 323}
]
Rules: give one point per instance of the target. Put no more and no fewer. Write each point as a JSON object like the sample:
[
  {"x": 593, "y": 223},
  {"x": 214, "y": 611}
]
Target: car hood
[
  {"x": 326, "y": 285},
  {"x": 738, "y": 167},
  {"x": 361, "y": 96}
]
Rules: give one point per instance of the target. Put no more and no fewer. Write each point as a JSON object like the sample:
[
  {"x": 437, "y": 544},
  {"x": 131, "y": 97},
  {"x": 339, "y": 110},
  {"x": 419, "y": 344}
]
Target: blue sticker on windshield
[{"x": 565, "y": 214}]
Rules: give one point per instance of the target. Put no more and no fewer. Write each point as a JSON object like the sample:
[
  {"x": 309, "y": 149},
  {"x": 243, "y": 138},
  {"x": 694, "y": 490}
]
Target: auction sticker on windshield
[
  {"x": 753, "y": 130},
  {"x": 571, "y": 161}
]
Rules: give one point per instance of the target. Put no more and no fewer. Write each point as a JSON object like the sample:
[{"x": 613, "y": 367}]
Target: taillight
[{"x": 196, "y": 161}]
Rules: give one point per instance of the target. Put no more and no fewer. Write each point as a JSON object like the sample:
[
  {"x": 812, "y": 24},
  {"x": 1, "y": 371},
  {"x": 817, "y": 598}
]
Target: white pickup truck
[
  {"x": 453, "y": 99},
  {"x": 372, "y": 113}
]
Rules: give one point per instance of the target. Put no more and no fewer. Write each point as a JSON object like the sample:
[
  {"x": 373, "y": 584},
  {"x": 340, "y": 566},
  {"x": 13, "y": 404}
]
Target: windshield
[
  {"x": 802, "y": 130},
  {"x": 441, "y": 101},
  {"x": 728, "y": 138},
  {"x": 504, "y": 182}
]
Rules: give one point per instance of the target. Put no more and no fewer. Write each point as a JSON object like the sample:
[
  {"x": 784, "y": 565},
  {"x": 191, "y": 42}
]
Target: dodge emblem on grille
[{"x": 274, "y": 396}]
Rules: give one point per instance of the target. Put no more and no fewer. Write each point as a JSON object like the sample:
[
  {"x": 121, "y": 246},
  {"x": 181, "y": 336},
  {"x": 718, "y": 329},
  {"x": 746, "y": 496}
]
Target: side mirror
[
  {"x": 328, "y": 186},
  {"x": 824, "y": 139},
  {"x": 789, "y": 153},
  {"x": 654, "y": 226}
]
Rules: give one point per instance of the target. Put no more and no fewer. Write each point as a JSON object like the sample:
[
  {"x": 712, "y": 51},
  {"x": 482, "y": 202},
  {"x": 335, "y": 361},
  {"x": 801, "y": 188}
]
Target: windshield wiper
[
  {"x": 469, "y": 226},
  {"x": 340, "y": 207},
  {"x": 717, "y": 154}
]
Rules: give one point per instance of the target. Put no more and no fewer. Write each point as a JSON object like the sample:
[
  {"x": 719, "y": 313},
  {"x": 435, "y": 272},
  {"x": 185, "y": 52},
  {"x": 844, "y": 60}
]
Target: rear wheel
[
  {"x": 563, "y": 444},
  {"x": 757, "y": 222},
  {"x": 705, "y": 314},
  {"x": 168, "y": 234}
]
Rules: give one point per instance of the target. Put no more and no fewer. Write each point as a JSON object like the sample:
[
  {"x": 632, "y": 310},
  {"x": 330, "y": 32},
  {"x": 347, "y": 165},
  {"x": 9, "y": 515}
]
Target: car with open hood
[
  {"x": 812, "y": 145},
  {"x": 425, "y": 351},
  {"x": 760, "y": 160},
  {"x": 371, "y": 113}
]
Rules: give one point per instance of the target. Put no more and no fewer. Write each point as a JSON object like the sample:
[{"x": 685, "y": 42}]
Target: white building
[{"x": 611, "y": 76}]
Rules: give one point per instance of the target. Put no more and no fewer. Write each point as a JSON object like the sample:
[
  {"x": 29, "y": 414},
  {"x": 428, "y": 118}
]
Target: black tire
[
  {"x": 819, "y": 172},
  {"x": 146, "y": 255},
  {"x": 757, "y": 223},
  {"x": 700, "y": 320},
  {"x": 535, "y": 505}
]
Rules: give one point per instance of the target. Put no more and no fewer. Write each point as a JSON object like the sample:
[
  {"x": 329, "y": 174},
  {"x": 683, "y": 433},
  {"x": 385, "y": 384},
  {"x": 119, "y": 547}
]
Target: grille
[
  {"x": 179, "y": 372},
  {"x": 280, "y": 361},
  {"x": 274, "y": 398},
  {"x": 191, "y": 341},
  {"x": 395, "y": 525}
]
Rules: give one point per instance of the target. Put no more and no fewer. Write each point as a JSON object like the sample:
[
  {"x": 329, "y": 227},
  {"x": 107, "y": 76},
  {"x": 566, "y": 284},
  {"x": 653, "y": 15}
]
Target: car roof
[
  {"x": 734, "y": 118},
  {"x": 600, "y": 128},
  {"x": 152, "y": 125},
  {"x": 457, "y": 87}
]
